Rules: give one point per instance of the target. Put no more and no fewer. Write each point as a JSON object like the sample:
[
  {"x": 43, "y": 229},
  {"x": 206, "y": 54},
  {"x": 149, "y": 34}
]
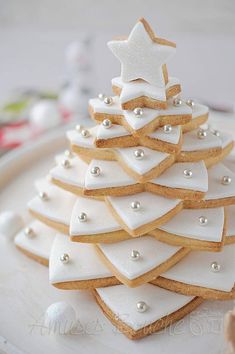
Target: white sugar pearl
[
  {"x": 177, "y": 102},
  {"x": 135, "y": 255},
  {"x": 79, "y": 128},
  {"x": 45, "y": 115},
  {"x": 60, "y": 318},
  {"x": 10, "y": 224},
  {"x": 95, "y": 171},
  {"x": 188, "y": 173},
  {"x": 138, "y": 112},
  {"x": 226, "y": 180},
  {"x": 101, "y": 96},
  {"x": 68, "y": 154},
  {"x": 203, "y": 220},
  {"x": 215, "y": 267},
  {"x": 201, "y": 134},
  {"x": 107, "y": 123},
  {"x": 135, "y": 205},
  {"x": 139, "y": 154},
  {"x": 141, "y": 306},
  {"x": 82, "y": 217},
  {"x": 167, "y": 128},
  {"x": 108, "y": 101}
]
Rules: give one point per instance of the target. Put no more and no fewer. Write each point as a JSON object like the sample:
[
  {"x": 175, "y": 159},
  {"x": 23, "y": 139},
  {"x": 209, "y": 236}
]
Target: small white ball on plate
[
  {"x": 10, "y": 224},
  {"x": 45, "y": 115},
  {"x": 60, "y": 318}
]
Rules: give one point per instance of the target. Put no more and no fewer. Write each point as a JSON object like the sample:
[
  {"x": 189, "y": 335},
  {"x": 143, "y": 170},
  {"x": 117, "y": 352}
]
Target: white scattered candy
[
  {"x": 60, "y": 318},
  {"x": 10, "y": 224},
  {"x": 45, "y": 115}
]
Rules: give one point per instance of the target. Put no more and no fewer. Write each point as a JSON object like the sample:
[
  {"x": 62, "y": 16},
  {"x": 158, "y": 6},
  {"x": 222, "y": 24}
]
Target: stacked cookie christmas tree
[{"x": 141, "y": 211}]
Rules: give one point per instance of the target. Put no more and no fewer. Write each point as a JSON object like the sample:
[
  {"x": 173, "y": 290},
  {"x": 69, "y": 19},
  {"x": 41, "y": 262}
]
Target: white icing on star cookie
[
  {"x": 216, "y": 189},
  {"x": 111, "y": 175},
  {"x": 147, "y": 212},
  {"x": 195, "y": 269},
  {"x": 73, "y": 175},
  {"x": 152, "y": 254},
  {"x": 186, "y": 224},
  {"x": 229, "y": 161},
  {"x": 199, "y": 110},
  {"x": 141, "y": 57},
  {"x": 150, "y": 160},
  {"x": 191, "y": 142},
  {"x": 40, "y": 243},
  {"x": 59, "y": 205},
  {"x": 174, "y": 177},
  {"x": 173, "y": 137},
  {"x": 98, "y": 106},
  {"x": 84, "y": 263},
  {"x": 99, "y": 218},
  {"x": 122, "y": 301},
  {"x": 115, "y": 131},
  {"x": 76, "y": 137}
]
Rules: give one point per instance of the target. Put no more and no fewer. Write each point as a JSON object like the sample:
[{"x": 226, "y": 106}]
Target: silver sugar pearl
[
  {"x": 141, "y": 306},
  {"x": 43, "y": 196},
  {"x": 95, "y": 171},
  {"x": 82, "y": 217},
  {"x": 135, "y": 255},
  {"x": 177, "y": 102},
  {"x": 139, "y": 154},
  {"x": 188, "y": 173},
  {"x": 108, "y": 100},
  {"x": 190, "y": 103},
  {"x": 107, "y": 123},
  {"x": 135, "y": 205},
  {"x": 216, "y": 132},
  {"x": 203, "y": 220},
  {"x": 201, "y": 134},
  {"x": 226, "y": 180},
  {"x": 167, "y": 128},
  {"x": 138, "y": 112},
  {"x": 79, "y": 128},
  {"x": 64, "y": 258},
  {"x": 66, "y": 163},
  {"x": 28, "y": 231},
  {"x": 215, "y": 267},
  {"x": 85, "y": 133},
  {"x": 101, "y": 96}
]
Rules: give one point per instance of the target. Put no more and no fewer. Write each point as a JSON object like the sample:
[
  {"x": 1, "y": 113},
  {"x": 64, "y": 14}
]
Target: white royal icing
[
  {"x": 216, "y": 189},
  {"x": 99, "y": 106},
  {"x": 99, "y": 218},
  {"x": 191, "y": 142},
  {"x": 141, "y": 57},
  {"x": 199, "y": 110},
  {"x": 122, "y": 302},
  {"x": 229, "y": 161},
  {"x": 226, "y": 139},
  {"x": 173, "y": 177},
  {"x": 134, "y": 89},
  {"x": 151, "y": 159},
  {"x": 115, "y": 131},
  {"x": 84, "y": 263},
  {"x": 152, "y": 208},
  {"x": 195, "y": 269},
  {"x": 76, "y": 138},
  {"x": 74, "y": 175},
  {"x": 186, "y": 224},
  {"x": 40, "y": 244},
  {"x": 173, "y": 137},
  {"x": 58, "y": 207},
  {"x": 112, "y": 175},
  {"x": 152, "y": 254},
  {"x": 230, "y": 221}
]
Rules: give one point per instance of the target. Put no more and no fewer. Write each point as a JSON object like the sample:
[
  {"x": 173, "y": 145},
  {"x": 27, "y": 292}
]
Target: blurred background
[{"x": 37, "y": 59}]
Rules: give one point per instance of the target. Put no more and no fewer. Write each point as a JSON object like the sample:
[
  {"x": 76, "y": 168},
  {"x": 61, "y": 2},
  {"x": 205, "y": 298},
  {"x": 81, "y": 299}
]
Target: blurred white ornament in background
[
  {"x": 45, "y": 115},
  {"x": 60, "y": 318},
  {"x": 10, "y": 224}
]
